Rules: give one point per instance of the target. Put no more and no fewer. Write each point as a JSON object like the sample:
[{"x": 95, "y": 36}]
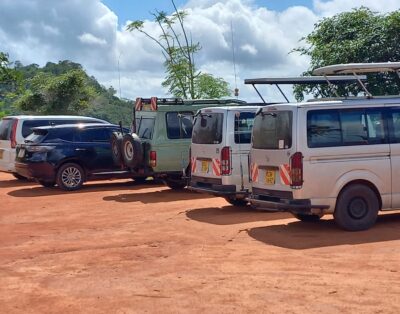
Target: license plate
[
  {"x": 21, "y": 153},
  {"x": 270, "y": 177},
  {"x": 204, "y": 166},
  {"x": 1, "y": 153}
]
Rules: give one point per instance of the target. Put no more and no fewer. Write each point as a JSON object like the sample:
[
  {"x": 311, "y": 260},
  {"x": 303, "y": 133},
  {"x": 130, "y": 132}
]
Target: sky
[{"x": 93, "y": 33}]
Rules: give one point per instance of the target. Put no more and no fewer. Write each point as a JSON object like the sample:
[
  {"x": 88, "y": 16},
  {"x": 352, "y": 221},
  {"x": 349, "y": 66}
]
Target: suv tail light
[
  {"x": 13, "y": 135},
  {"x": 153, "y": 158},
  {"x": 296, "y": 170},
  {"x": 226, "y": 169}
]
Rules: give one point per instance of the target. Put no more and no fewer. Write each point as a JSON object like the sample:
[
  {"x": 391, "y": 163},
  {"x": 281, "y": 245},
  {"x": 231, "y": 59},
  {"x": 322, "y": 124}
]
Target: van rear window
[
  {"x": 207, "y": 128},
  {"x": 273, "y": 130},
  {"x": 5, "y": 129},
  {"x": 243, "y": 126}
]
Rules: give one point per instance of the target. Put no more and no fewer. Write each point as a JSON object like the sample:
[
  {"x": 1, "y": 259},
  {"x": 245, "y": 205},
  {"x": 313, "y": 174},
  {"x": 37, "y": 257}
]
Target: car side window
[
  {"x": 329, "y": 128},
  {"x": 92, "y": 135},
  {"x": 179, "y": 125},
  {"x": 394, "y": 123}
]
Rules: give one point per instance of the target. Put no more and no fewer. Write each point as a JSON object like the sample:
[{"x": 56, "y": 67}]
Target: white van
[
  {"x": 340, "y": 157},
  {"x": 14, "y": 130},
  {"x": 219, "y": 152}
]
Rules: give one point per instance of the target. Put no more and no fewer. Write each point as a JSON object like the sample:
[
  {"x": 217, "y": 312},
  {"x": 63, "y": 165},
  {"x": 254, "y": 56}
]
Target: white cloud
[
  {"x": 86, "y": 31},
  {"x": 90, "y": 39}
]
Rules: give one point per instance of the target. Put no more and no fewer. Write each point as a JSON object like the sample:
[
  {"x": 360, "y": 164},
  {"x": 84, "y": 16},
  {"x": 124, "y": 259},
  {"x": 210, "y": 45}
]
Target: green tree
[
  {"x": 182, "y": 77},
  {"x": 67, "y": 93},
  {"x": 350, "y": 37}
]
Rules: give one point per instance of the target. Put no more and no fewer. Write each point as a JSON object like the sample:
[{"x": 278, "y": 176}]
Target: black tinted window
[
  {"x": 145, "y": 127},
  {"x": 243, "y": 126},
  {"x": 323, "y": 128},
  {"x": 207, "y": 128},
  {"x": 29, "y": 124},
  {"x": 92, "y": 135},
  {"x": 5, "y": 128},
  {"x": 179, "y": 125},
  {"x": 345, "y": 127},
  {"x": 273, "y": 130}
]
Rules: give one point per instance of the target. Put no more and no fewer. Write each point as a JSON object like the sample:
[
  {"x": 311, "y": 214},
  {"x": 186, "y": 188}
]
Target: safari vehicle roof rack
[
  {"x": 354, "y": 68},
  {"x": 214, "y": 101},
  {"x": 331, "y": 80}
]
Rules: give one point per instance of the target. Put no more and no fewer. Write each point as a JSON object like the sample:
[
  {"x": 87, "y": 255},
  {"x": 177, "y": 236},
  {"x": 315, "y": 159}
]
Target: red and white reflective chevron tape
[
  {"x": 284, "y": 173},
  {"x": 254, "y": 172},
  {"x": 216, "y": 167},
  {"x": 153, "y": 103},
  {"x": 138, "y": 104},
  {"x": 193, "y": 164}
]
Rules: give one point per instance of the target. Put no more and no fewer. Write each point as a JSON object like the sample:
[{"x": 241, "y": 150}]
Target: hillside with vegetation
[{"x": 59, "y": 88}]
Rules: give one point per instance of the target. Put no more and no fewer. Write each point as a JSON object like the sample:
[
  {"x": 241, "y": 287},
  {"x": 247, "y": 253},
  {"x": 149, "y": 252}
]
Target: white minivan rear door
[
  {"x": 273, "y": 144},
  {"x": 207, "y": 143}
]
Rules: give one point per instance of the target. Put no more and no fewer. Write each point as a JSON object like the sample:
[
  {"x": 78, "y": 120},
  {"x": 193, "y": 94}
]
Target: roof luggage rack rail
[
  {"x": 303, "y": 80},
  {"x": 214, "y": 101},
  {"x": 354, "y": 68}
]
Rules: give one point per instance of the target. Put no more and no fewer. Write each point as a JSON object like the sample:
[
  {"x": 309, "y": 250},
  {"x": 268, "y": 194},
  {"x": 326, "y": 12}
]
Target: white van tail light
[
  {"x": 153, "y": 158},
  {"x": 226, "y": 161},
  {"x": 13, "y": 135},
  {"x": 296, "y": 170}
]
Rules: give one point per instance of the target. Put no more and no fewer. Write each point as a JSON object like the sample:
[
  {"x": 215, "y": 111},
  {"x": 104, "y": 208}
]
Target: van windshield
[
  {"x": 273, "y": 130},
  {"x": 207, "y": 128}
]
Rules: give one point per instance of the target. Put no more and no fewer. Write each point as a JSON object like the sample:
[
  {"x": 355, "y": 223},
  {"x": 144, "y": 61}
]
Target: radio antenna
[{"x": 234, "y": 62}]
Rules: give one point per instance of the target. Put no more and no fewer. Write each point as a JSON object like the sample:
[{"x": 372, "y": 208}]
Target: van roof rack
[
  {"x": 354, "y": 68},
  {"x": 331, "y": 80},
  {"x": 214, "y": 101}
]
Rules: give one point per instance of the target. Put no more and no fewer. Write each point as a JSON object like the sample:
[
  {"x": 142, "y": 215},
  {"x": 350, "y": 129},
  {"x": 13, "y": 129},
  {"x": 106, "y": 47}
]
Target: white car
[
  {"x": 339, "y": 157},
  {"x": 219, "y": 152},
  {"x": 14, "y": 130}
]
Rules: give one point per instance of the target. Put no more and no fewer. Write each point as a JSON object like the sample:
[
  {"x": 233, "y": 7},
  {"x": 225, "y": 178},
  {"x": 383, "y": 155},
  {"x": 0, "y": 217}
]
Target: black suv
[{"x": 68, "y": 155}]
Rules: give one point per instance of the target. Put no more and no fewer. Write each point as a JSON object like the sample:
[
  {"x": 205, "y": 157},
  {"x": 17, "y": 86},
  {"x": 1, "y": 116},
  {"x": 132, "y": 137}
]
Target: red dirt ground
[{"x": 121, "y": 247}]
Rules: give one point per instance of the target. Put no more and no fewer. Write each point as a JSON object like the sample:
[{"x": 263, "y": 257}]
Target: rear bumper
[
  {"x": 290, "y": 205},
  {"x": 215, "y": 189},
  {"x": 39, "y": 171}
]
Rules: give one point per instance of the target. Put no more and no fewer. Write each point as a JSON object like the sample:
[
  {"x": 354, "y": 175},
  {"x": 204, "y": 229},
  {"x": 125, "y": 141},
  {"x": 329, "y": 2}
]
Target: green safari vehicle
[{"x": 160, "y": 140}]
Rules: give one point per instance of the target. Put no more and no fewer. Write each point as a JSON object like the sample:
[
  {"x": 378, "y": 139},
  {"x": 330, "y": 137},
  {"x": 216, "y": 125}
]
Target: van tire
[
  {"x": 132, "y": 150},
  {"x": 116, "y": 148},
  {"x": 175, "y": 183},
  {"x": 308, "y": 218},
  {"x": 75, "y": 181},
  {"x": 356, "y": 208},
  {"x": 236, "y": 201}
]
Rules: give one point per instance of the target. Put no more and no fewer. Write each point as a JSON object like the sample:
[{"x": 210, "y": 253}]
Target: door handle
[{"x": 80, "y": 149}]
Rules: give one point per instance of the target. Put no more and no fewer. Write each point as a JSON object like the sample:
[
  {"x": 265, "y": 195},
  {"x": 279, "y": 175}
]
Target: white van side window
[{"x": 328, "y": 128}]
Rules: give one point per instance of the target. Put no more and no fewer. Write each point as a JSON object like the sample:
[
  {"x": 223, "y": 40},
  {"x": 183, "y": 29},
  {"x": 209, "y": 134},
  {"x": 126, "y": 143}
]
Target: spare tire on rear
[
  {"x": 132, "y": 150},
  {"x": 116, "y": 148}
]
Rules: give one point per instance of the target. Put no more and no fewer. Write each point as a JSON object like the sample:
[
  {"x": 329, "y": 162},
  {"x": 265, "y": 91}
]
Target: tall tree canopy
[
  {"x": 356, "y": 36},
  {"x": 182, "y": 77}
]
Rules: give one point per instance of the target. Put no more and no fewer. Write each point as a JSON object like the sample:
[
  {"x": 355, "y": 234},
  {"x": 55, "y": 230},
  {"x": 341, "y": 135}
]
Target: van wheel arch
[{"x": 362, "y": 182}]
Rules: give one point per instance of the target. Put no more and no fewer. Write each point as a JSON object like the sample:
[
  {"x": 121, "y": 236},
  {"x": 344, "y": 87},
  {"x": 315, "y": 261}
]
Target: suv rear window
[
  {"x": 243, "y": 126},
  {"x": 145, "y": 127},
  {"x": 5, "y": 129},
  {"x": 207, "y": 128},
  {"x": 273, "y": 130}
]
